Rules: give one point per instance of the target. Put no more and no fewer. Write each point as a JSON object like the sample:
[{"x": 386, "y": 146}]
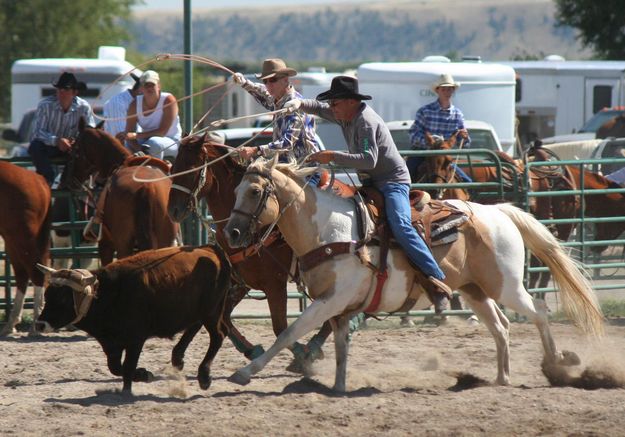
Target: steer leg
[
  {"x": 217, "y": 336},
  {"x": 129, "y": 369},
  {"x": 177, "y": 354}
]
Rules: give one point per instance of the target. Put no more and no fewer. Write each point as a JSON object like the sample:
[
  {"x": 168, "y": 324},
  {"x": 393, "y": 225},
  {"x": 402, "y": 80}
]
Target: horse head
[
  {"x": 439, "y": 168},
  {"x": 215, "y": 179},
  {"x": 256, "y": 203},
  {"x": 94, "y": 150},
  {"x": 615, "y": 127}
]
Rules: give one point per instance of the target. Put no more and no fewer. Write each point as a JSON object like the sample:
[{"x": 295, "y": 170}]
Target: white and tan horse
[{"x": 485, "y": 263}]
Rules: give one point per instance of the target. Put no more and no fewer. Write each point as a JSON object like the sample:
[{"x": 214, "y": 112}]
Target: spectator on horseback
[
  {"x": 115, "y": 109},
  {"x": 56, "y": 124},
  {"x": 440, "y": 118},
  {"x": 155, "y": 112},
  {"x": 294, "y": 133},
  {"x": 374, "y": 154}
]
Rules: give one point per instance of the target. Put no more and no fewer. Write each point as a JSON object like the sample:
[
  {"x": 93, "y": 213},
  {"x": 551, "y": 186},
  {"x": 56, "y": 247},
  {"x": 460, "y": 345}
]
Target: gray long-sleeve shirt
[{"x": 371, "y": 148}]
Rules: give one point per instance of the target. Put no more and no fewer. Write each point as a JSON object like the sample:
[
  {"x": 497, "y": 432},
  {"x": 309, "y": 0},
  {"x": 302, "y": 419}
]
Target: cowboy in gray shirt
[{"x": 373, "y": 152}]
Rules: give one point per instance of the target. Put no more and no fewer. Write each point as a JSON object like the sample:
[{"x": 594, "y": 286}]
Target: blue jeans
[
  {"x": 160, "y": 147},
  {"x": 41, "y": 154},
  {"x": 398, "y": 217}
]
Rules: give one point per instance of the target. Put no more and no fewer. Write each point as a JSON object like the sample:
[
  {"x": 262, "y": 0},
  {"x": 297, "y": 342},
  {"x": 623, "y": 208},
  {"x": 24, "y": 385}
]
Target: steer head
[{"x": 67, "y": 297}]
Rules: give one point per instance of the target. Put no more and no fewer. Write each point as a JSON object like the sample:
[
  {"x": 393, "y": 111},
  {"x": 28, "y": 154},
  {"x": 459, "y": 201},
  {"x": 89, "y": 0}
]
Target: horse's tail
[{"x": 580, "y": 302}]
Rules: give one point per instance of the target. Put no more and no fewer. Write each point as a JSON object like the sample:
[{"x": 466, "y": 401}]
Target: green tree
[
  {"x": 601, "y": 24},
  {"x": 57, "y": 28}
]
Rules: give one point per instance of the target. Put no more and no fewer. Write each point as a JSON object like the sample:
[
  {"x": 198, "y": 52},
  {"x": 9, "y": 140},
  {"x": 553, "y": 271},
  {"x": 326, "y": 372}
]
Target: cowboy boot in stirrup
[{"x": 439, "y": 293}]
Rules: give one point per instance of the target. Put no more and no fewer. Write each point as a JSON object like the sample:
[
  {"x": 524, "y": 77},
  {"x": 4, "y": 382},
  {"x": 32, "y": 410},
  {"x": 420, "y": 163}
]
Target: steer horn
[{"x": 45, "y": 269}]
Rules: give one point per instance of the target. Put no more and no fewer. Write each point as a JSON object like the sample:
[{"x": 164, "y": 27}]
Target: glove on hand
[
  {"x": 238, "y": 78},
  {"x": 292, "y": 105}
]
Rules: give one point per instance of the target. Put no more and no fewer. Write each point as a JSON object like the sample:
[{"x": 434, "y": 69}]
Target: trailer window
[{"x": 601, "y": 97}]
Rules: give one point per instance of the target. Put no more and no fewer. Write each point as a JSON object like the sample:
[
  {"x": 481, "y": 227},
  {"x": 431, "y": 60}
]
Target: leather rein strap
[{"x": 242, "y": 255}]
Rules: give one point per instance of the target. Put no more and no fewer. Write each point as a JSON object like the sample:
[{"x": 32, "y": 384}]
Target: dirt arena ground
[{"x": 401, "y": 381}]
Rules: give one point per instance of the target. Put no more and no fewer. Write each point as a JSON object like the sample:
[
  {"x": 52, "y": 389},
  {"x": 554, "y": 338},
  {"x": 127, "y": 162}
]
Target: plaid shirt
[
  {"x": 295, "y": 132},
  {"x": 51, "y": 122},
  {"x": 437, "y": 121}
]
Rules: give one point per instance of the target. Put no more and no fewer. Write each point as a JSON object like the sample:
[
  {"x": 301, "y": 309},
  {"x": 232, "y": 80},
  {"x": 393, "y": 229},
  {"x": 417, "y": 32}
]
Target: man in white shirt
[{"x": 116, "y": 108}]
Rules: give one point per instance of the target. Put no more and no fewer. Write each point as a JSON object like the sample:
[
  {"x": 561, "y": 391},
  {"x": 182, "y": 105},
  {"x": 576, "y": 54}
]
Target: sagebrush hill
[{"x": 371, "y": 31}]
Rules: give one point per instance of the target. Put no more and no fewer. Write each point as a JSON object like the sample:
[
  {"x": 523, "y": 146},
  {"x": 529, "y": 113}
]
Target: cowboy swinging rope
[{"x": 194, "y": 130}]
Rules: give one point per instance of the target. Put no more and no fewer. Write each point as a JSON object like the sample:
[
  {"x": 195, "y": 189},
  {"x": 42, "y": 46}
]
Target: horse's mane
[
  {"x": 291, "y": 169},
  {"x": 103, "y": 135}
]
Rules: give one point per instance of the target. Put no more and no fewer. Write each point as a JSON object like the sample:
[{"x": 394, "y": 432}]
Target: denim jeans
[
  {"x": 398, "y": 216},
  {"x": 41, "y": 154},
  {"x": 160, "y": 147}
]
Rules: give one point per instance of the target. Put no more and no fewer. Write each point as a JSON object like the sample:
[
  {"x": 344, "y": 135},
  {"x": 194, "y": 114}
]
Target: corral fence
[{"x": 606, "y": 269}]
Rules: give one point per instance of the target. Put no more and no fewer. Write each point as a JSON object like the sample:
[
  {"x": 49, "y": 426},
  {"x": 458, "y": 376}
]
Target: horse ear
[
  {"x": 274, "y": 161},
  {"x": 100, "y": 125},
  {"x": 45, "y": 269},
  {"x": 429, "y": 138}
]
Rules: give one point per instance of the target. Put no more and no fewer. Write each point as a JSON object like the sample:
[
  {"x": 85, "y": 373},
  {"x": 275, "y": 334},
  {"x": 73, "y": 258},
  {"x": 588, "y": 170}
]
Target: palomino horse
[
  {"x": 25, "y": 228},
  {"x": 614, "y": 127},
  {"x": 135, "y": 214},
  {"x": 485, "y": 263},
  {"x": 439, "y": 169},
  {"x": 266, "y": 270}
]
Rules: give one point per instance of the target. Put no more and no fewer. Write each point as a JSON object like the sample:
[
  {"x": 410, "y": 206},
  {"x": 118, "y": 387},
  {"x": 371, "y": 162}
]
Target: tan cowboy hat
[
  {"x": 445, "y": 80},
  {"x": 274, "y": 67}
]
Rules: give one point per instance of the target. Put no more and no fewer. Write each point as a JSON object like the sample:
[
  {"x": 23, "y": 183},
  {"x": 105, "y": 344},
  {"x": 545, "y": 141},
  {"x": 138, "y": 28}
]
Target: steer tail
[{"x": 578, "y": 298}]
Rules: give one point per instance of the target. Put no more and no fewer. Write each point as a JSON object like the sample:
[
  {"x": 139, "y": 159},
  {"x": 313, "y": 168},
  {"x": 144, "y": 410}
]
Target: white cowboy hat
[{"x": 445, "y": 80}]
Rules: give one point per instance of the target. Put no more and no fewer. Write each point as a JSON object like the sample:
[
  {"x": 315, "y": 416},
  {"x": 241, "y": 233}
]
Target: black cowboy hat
[
  {"x": 343, "y": 87},
  {"x": 69, "y": 81}
]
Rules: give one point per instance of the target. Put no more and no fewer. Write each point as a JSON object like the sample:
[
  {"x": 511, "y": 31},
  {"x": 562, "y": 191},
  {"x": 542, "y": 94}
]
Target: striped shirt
[
  {"x": 51, "y": 122},
  {"x": 115, "y": 112},
  {"x": 435, "y": 120},
  {"x": 295, "y": 132}
]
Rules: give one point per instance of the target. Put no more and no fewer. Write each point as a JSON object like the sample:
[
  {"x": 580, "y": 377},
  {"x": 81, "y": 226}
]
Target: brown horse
[
  {"x": 440, "y": 169},
  {"x": 25, "y": 228},
  {"x": 600, "y": 205},
  {"x": 135, "y": 213},
  {"x": 267, "y": 269},
  {"x": 614, "y": 127}
]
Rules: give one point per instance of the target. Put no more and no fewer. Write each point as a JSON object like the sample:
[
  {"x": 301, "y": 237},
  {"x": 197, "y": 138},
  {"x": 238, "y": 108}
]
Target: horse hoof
[
  {"x": 255, "y": 352},
  {"x": 239, "y": 378},
  {"x": 205, "y": 382},
  {"x": 569, "y": 358},
  {"x": 406, "y": 321}
]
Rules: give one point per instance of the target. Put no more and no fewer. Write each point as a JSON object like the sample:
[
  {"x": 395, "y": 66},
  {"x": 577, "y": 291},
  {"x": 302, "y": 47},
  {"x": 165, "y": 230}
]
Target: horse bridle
[
  {"x": 268, "y": 190},
  {"x": 193, "y": 193}
]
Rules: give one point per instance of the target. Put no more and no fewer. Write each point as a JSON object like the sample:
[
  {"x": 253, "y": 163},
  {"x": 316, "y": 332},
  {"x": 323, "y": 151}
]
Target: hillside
[{"x": 371, "y": 31}]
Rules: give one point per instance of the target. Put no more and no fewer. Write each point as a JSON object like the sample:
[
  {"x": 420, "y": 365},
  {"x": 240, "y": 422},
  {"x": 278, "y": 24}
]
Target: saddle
[
  {"x": 136, "y": 161},
  {"x": 437, "y": 222}
]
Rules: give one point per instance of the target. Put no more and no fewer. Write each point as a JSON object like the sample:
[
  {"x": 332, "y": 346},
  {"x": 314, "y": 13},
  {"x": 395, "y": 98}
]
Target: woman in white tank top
[{"x": 156, "y": 112}]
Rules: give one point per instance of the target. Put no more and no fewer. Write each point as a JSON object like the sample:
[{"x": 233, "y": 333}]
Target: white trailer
[
  {"x": 486, "y": 93},
  {"x": 556, "y": 97},
  {"x": 31, "y": 79}
]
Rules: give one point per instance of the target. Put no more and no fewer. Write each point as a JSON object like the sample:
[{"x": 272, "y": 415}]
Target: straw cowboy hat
[
  {"x": 68, "y": 81},
  {"x": 343, "y": 87},
  {"x": 445, "y": 80},
  {"x": 275, "y": 67}
]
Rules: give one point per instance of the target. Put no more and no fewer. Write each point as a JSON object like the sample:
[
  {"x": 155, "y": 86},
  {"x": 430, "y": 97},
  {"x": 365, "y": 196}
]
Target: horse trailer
[
  {"x": 486, "y": 91},
  {"x": 556, "y": 97},
  {"x": 105, "y": 76}
]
